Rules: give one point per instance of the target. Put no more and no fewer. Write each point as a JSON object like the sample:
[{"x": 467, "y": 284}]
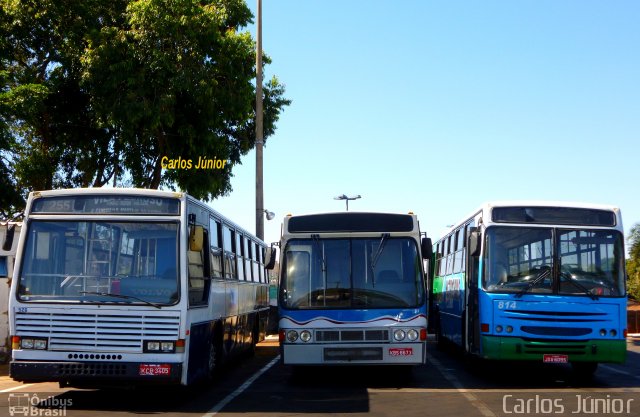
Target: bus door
[{"x": 472, "y": 318}]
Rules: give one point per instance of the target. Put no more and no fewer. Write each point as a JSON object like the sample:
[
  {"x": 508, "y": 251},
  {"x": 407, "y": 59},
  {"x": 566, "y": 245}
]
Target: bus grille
[
  {"x": 90, "y": 369},
  {"x": 544, "y": 346},
  {"x": 351, "y": 335},
  {"x": 98, "y": 332},
  {"x": 556, "y": 331}
]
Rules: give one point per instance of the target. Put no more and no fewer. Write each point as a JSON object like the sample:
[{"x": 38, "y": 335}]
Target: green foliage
[
  {"x": 633, "y": 263},
  {"x": 99, "y": 90}
]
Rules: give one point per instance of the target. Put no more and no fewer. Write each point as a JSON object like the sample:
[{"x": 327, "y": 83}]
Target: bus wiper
[
  {"x": 580, "y": 286},
  {"x": 533, "y": 283},
  {"x": 376, "y": 256},
  {"x": 323, "y": 261},
  {"x": 124, "y": 297}
]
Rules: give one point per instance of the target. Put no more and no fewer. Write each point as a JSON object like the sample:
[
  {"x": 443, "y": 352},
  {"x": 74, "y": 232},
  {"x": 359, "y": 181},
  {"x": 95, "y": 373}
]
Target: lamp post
[
  {"x": 346, "y": 199},
  {"x": 259, "y": 128},
  {"x": 269, "y": 214}
]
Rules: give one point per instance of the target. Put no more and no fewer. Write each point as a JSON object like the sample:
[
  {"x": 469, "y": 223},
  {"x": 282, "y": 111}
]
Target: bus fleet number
[{"x": 506, "y": 304}]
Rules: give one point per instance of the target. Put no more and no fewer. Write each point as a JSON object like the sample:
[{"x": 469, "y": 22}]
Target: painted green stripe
[{"x": 515, "y": 348}]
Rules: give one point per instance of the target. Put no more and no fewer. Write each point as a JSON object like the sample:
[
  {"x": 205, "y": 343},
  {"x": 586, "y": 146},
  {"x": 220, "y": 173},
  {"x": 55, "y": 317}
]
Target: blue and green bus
[
  {"x": 352, "y": 290},
  {"x": 536, "y": 281}
]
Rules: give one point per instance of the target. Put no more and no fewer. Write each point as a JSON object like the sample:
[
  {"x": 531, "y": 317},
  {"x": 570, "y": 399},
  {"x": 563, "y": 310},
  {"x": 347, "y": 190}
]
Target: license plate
[
  {"x": 401, "y": 352},
  {"x": 154, "y": 369},
  {"x": 555, "y": 359}
]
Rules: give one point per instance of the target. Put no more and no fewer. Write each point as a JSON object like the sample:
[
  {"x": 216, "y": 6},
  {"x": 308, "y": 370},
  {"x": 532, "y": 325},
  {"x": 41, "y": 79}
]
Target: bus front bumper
[
  {"x": 96, "y": 373},
  {"x": 515, "y": 348},
  {"x": 354, "y": 354}
]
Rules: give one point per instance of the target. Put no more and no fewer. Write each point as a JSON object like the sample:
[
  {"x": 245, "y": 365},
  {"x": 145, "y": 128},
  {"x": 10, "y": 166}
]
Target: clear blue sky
[{"x": 436, "y": 107}]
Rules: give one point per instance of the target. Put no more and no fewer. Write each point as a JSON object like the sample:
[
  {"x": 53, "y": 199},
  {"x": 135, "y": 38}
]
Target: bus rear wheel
[
  {"x": 213, "y": 360},
  {"x": 440, "y": 342}
]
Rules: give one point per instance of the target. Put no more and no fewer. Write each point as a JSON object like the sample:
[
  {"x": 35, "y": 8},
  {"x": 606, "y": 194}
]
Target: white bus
[
  {"x": 352, "y": 290},
  {"x": 9, "y": 232},
  {"x": 127, "y": 286}
]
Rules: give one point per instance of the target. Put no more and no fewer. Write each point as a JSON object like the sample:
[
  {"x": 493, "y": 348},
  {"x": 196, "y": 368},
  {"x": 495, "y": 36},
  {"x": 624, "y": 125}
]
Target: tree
[
  {"x": 102, "y": 90},
  {"x": 633, "y": 263}
]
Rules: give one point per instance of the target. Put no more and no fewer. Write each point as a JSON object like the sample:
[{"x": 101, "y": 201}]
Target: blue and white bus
[
  {"x": 126, "y": 286},
  {"x": 352, "y": 290},
  {"x": 533, "y": 280}
]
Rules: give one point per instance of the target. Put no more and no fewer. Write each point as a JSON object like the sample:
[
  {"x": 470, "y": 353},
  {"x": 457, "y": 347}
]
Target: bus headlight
[
  {"x": 33, "y": 343},
  {"x": 153, "y": 346},
  {"x": 305, "y": 335},
  {"x": 163, "y": 346},
  {"x": 603, "y": 332},
  {"x": 167, "y": 346},
  {"x": 292, "y": 336},
  {"x": 412, "y": 334},
  {"x": 613, "y": 333},
  {"x": 399, "y": 335},
  {"x": 509, "y": 329},
  {"x": 499, "y": 329},
  {"x": 26, "y": 343},
  {"x": 40, "y": 344}
]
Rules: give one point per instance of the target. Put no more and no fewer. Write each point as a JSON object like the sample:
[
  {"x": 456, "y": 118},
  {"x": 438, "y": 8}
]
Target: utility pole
[{"x": 259, "y": 129}]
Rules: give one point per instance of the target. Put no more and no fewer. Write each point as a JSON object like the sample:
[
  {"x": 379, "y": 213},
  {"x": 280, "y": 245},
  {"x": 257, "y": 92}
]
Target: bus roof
[
  {"x": 351, "y": 222},
  {"x": 107, "y": 191},
  {"x": 486, "y": 207}
]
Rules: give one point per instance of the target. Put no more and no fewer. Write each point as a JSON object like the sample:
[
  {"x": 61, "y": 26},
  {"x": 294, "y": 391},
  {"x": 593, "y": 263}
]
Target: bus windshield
[
  {"x": 352, "y": 273},
  {"x": 100, "y": 262},
  {"x": 558, "y": 261}
]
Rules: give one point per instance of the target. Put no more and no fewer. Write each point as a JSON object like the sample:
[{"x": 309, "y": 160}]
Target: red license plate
[
  {"x": 555, "y": 359},
  {"x": 154, "y": 369},
  {"x": 400, "y": 351}
]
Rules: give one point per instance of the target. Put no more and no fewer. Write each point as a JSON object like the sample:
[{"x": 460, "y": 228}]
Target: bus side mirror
[
  {"x": 196, "y": 238},
  {"x": 474, "y": 243},
  {"x": 271, "y": 258},
  {"x": 8, "y": 239},
  {"x": 427, "y": 248}
]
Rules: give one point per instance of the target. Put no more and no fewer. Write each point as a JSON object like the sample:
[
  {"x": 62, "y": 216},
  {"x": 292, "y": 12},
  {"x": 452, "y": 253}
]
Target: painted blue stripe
[{"x": 353, "y": 315}]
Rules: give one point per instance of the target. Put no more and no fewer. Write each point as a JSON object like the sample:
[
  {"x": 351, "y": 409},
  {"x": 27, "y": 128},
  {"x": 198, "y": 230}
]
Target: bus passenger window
[
  {"x": 216, "y": 249},
  {"x": 198, "y": 280}
]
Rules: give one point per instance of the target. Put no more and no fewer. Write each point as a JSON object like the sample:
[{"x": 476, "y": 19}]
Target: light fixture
[
  {"x": 347, "y": 199},
  {"x": 270, "y": 214}
]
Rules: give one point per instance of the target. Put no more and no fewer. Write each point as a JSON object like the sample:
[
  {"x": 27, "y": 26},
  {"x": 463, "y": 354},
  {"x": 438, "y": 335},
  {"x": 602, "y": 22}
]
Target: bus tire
[
  {"x": 440, "y": 342},
  {"x": 212, "y": 360},
  {"x": 584, "y": 369},
  {"x": 255, "y": 334},
  {"x": 214, "y": 357}
]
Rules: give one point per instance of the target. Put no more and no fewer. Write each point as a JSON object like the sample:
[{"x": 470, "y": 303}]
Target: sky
[{"x": 435, "y": 107}]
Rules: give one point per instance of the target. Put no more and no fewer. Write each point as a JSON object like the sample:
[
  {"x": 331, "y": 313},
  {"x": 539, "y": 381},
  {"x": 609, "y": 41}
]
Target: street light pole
[
  {"x": 346, "y": 199},
  {"x": 259, "y": 129}
]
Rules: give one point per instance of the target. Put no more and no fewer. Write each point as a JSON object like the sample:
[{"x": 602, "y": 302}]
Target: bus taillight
[{"x": 423, "y": 334}]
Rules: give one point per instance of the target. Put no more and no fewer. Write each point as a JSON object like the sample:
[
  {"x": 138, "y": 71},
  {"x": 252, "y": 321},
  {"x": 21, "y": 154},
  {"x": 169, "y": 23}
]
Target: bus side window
[
  {"x": 239, "y": 256},
  {"x": 215, "y": 237},
  {"x": 228, "y": 238},
  {"x": 246, "y": 252},
  {"x": 199, "y": 282}
]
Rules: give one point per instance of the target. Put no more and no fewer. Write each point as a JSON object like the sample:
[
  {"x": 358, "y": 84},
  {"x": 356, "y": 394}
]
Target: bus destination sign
[{"x": 106, "y": 204}]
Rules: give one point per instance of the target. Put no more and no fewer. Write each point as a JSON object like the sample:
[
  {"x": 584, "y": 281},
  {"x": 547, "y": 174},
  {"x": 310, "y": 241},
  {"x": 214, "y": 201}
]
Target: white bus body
[{"x": 127, "y": 286}]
